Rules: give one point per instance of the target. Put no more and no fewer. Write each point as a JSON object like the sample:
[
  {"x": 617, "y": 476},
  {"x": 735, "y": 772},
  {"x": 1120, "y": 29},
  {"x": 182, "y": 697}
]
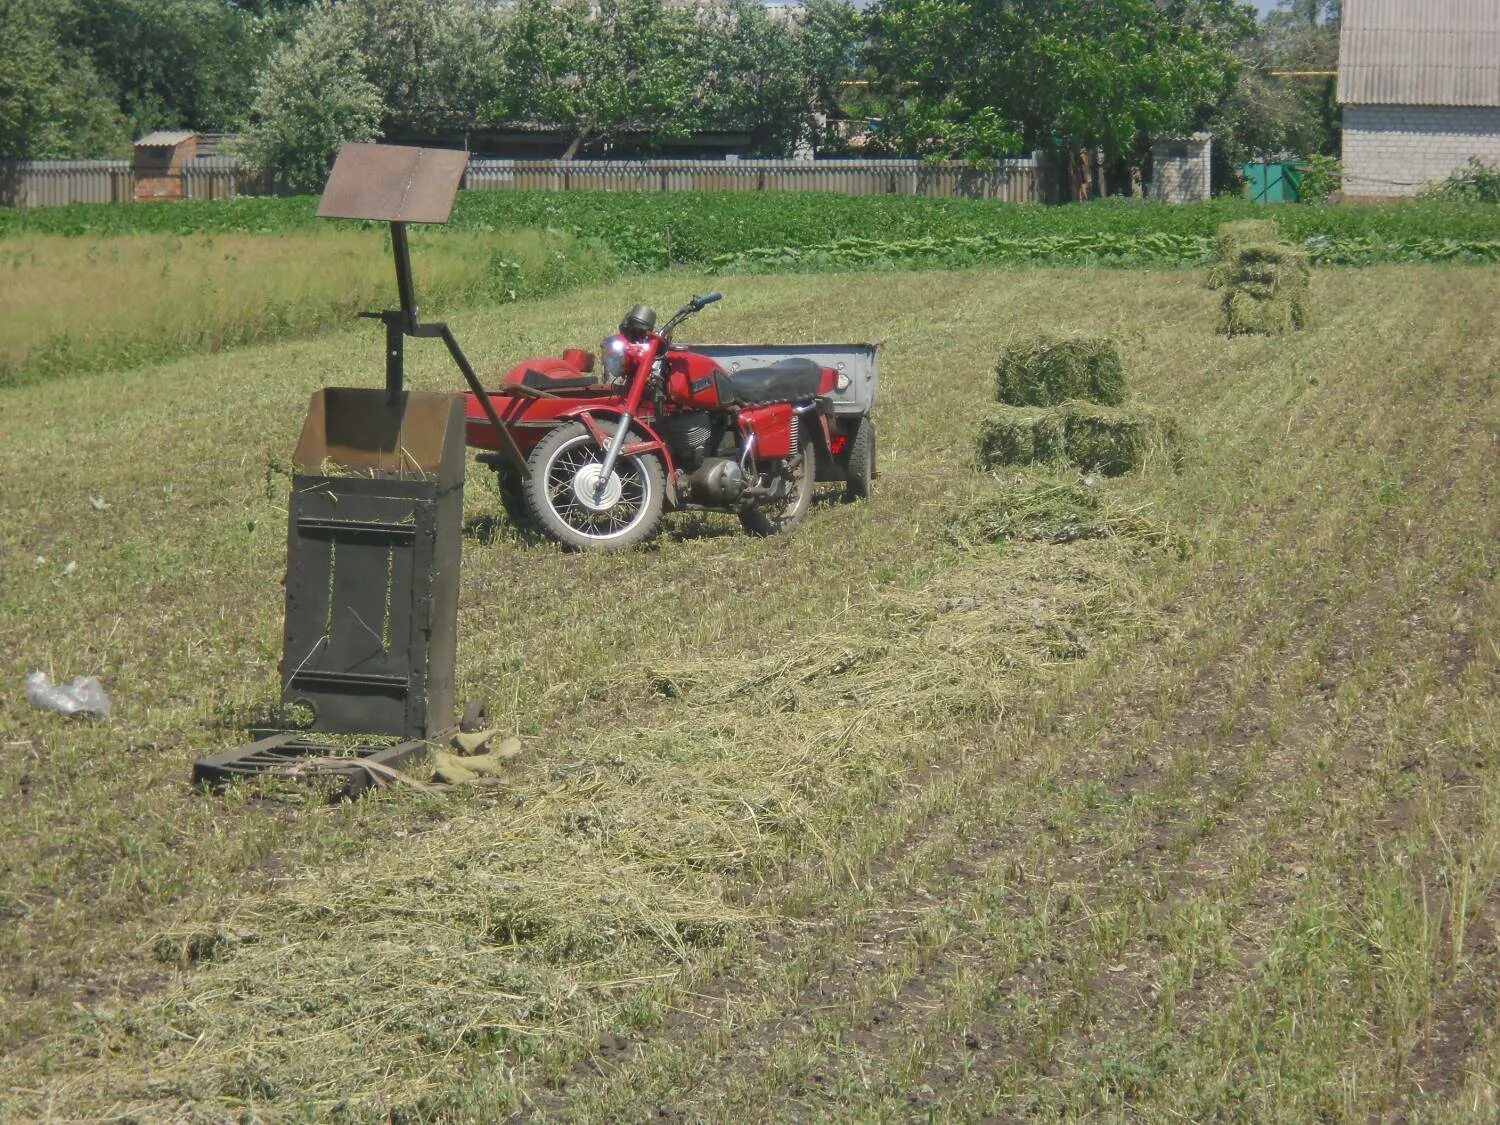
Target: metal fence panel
[
  {"x": 52, "y": 183},
  {"x": 1014, "y": 181},
  {"x": 45, "y": 183},
  {"x": 211, "y": 177}
]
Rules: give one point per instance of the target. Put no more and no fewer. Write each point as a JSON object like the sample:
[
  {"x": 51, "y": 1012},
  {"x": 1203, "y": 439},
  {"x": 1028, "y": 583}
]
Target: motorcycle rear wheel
[
  {"x": 561, "y": 492},
  {"x": 763, "y": 518}
]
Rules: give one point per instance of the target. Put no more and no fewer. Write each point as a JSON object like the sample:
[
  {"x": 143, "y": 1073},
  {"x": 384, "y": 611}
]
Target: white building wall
[
  {"x": 1182, "y": 169},
  {"x": 1393, "y": 150}
]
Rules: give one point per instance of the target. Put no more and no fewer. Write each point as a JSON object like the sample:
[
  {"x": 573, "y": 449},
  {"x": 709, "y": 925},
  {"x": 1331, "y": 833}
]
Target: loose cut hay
[
  {"x": 1267, "y": 293},
  {"x": 1231, "y": 237},
  {"x": 1100, "y": 439},
  {"x": 1028, "y": 512},
  {"x": 1046, "y": 369}
]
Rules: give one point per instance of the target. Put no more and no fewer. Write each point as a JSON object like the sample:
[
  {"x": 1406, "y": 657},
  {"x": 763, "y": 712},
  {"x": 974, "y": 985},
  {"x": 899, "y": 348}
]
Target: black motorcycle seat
[{"x": 787, "y": 380}]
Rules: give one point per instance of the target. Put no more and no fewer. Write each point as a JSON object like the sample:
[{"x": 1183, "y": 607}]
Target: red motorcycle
[{"x": 593, "y": 462}]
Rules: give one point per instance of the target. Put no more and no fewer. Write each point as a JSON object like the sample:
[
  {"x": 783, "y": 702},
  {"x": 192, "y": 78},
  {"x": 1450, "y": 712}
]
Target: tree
[
  {"x": 172, "y": 63},
  {"x": 52, "y": 103},
  {"x": 982, "y": 78},
  {"x": 752, "y": 76},
  {"x": 1295, "y": 113},
  {"x": 830, "y": 36},
  {"x": 312, "y": 98},
  {"x": 30, "y": 62},
  {"x": 436, "y": 63},
  {"x": 599, "y": 69}
]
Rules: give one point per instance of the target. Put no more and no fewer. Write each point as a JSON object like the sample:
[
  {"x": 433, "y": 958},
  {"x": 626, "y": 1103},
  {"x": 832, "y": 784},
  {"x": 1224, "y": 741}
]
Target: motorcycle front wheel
[{"x": 572, "y": 505}]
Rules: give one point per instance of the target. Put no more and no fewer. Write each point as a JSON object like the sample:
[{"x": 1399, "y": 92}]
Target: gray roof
[
  {"x": 1420, "y": 52},
  {"x": 165, "y": 138}
]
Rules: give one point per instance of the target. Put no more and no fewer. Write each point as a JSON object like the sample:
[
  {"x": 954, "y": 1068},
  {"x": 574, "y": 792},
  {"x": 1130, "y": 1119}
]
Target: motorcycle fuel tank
[{"x": 693, "y": 380}]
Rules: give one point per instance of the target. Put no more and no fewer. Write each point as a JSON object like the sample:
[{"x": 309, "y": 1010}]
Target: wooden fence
[{"x": 48, "y": 183}]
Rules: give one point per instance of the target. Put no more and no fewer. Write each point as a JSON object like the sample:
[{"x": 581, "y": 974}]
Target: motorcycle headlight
[{"x": 612, "y": 353}]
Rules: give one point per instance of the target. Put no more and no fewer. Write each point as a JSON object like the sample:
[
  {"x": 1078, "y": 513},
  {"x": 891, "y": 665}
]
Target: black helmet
[{"x": 638, "y": 322}]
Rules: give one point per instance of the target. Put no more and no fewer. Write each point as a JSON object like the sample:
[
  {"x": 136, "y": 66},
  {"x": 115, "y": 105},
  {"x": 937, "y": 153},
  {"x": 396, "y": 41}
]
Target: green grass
[{"x": 931, "y": 807}]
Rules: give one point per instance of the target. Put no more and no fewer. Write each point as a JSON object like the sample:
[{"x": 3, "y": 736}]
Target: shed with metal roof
[
  {"x": 1419, "y": 83},
  {"x": 159, "y": 161}
]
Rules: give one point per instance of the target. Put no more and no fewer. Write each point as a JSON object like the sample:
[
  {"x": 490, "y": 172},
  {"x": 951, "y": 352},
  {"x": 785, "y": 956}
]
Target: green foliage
[
  {"x": 1476, "y": 182},
  {"x": 657, "y": 72},
  {"x": 52, "y": 102},
  {"x": 971, "y": 78},
  {"x": 1047, "y": 369},
  {"x": 435, "y": 63},
  {"x": 597, "y": 70},
  {"x": 1321, "y": 177},
  {"x": 170, "y": 63},
  {"x": 830, "y": 37},
  {"x": 755, "y": 232},
  {"x": 1266, "y": 115},
  {"x": 754, "y": 76},
  {"x": 312, "y": 98}
]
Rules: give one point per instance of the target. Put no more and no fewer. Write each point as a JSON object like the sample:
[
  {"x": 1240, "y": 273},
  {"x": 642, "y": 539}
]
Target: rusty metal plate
[{"x": 394, "y": 183}]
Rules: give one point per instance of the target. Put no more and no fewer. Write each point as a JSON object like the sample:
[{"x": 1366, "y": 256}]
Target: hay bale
[
  {"x": 1112, "y": 441},
  {"x": 1020, "y": 435},
  {"x": 1268, "y": 289},
  {"x": 1246, "y": 232},
  {"x": 1046, "y": 369},
  {"x": 1249, "y": 315},
  {"x": 1228, "y": 240},
  {"x": 1097, "y": 439}
]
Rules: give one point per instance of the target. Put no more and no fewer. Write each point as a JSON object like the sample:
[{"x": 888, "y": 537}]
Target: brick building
[{"x": 1419, "y": 83}]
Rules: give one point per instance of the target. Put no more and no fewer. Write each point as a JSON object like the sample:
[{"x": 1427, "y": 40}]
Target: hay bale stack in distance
[
  {"x": 1267, "y": 291},
  {"x": 1096, "y": 439},
  {"x": 1228, "y": 240},
  {"x": 1048, "y": 369}
]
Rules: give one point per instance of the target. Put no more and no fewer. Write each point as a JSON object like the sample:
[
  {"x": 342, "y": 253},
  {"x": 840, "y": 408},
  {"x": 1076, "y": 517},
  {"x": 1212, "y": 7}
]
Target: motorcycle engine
[{"x": 687, "y": 436}]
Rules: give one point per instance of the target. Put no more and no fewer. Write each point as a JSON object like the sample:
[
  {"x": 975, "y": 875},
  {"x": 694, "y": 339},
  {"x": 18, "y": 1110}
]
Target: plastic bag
[{"x": 84, "y": 696}]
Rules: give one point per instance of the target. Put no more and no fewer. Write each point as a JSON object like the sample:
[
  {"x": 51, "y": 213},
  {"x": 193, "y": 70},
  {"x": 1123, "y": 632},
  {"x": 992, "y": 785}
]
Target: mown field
[{"x": 1193, "y": 814}]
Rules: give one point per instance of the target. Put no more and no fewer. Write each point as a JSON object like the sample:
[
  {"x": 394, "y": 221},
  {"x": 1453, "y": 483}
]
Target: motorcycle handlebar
[{"x": 702, "y": 302}]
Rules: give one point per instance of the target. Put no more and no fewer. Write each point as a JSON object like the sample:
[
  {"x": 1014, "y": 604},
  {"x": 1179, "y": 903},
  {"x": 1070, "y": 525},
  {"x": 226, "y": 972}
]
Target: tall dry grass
[{"x": 112, "y": 302}]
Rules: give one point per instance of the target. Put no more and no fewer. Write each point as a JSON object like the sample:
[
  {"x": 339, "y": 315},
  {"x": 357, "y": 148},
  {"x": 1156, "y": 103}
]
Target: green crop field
[
  {"x": 812, "y": 231},
  {"x": 1172, "y": 796}
]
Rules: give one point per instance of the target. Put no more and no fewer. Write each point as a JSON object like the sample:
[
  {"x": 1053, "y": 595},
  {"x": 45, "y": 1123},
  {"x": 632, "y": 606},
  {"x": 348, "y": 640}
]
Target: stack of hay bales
[
  {"x": 1230, "y": 238},
  {"x": 1062, "y": 403},
  {"x": 1267, "y": 292},
  {"x": 1265, "y": 283}
]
